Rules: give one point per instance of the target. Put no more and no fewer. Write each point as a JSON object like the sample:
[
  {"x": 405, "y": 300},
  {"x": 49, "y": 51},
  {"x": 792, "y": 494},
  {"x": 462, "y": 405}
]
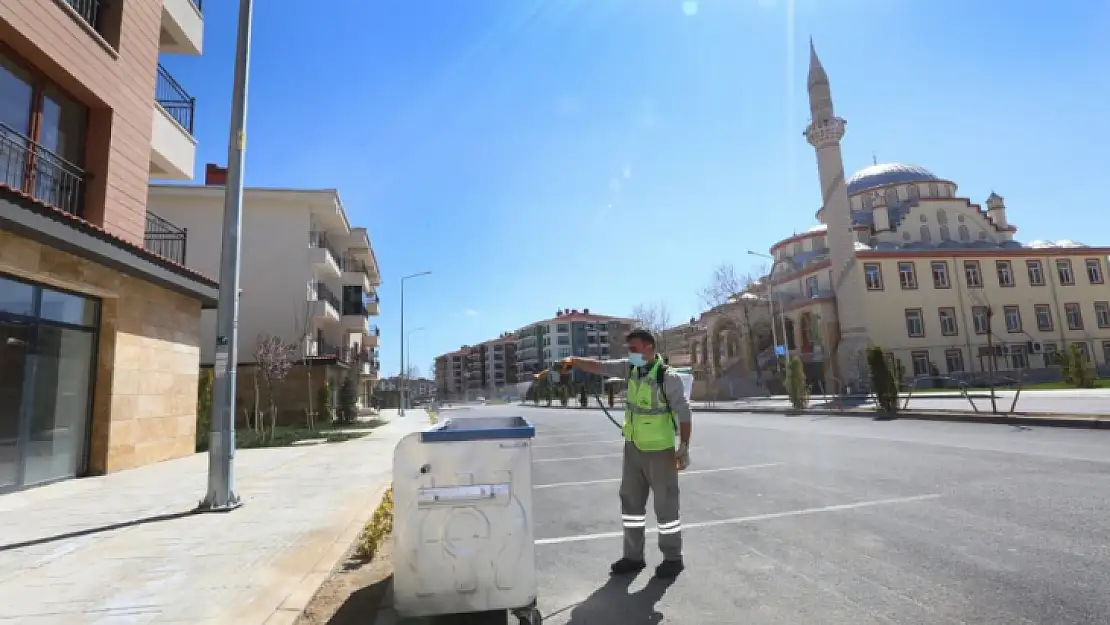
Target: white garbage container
[
  {"x": 687, "y": 376},
  {"x": 462, "y": 530}
]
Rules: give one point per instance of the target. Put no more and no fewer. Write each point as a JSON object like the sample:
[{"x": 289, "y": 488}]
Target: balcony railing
[
  {"x": 324, "y": 294},
  {"x": 199, "y": 4},
  {"x": 173, "y": 97},
  {"x": 28, "y": 167},
  {"x": 89, "y": 10},
  {"x": 356, "y": 266},
  {"x": 320, "y": 240},
  {"x": 355, "y": 309},
  {"x": 165, "y": 239}
]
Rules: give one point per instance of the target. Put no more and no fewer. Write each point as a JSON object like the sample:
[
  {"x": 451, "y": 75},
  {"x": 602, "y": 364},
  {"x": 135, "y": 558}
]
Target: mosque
[{"x": 899, "y": 259}]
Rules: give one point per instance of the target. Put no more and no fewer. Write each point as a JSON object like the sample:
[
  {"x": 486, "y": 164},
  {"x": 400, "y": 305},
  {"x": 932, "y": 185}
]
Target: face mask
[{"x": 636, "y": 359}]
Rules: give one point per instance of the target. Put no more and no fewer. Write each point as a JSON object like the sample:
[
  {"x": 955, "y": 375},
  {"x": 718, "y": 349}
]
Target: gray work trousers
[{"x": 650, "y": 472}]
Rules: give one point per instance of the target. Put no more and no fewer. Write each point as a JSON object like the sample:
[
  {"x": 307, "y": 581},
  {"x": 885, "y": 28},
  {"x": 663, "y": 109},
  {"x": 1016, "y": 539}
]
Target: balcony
[
  {"x": 173, "y": 149},
  {"x": 89, "y": 11},
  {"x": 32, "y": 169},
  {"x": 372, "y": 305},
  {"x": 165, "y": 239},
  {"x": 182, "y": 27},
  {"x": 322, "y": 255},
  {"x": 325, "y": 305},
  {"x": 357, "y": 273}
]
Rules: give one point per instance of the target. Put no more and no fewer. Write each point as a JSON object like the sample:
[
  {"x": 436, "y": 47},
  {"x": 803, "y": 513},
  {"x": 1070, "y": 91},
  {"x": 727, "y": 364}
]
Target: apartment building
[
  {"x": 99, "y": 316},
  {"x": 450, "y": 373},
  {"x": 388, "y": 391},
  {"x": 308, "y": 277},
  {"x": 571, "y": 332},
  {"x": 493, "y": 367}
]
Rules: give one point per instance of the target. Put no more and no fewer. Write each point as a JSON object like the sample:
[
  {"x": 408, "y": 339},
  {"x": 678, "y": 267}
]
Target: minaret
[{"x": 824, "y": 133}]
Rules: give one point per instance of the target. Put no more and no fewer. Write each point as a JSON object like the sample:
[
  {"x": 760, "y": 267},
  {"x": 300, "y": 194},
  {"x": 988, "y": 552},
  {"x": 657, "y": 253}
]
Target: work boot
[
  {"x": 626, "y": 566},
  {"x": 669, "y": 569}
]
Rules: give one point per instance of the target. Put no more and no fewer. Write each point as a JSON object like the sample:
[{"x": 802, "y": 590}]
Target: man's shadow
[{"x": 612, "y": 603}]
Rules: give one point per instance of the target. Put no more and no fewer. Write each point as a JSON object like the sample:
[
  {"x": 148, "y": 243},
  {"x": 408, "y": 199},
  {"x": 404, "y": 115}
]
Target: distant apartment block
[
  {"x": 308, "y": 277},
  {"x": 517, "y": 356},
  {"x": 99, "y": 317}
]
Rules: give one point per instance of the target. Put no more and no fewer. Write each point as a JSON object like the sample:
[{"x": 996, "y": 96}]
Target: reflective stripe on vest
[{"x": 648, "y": 421}]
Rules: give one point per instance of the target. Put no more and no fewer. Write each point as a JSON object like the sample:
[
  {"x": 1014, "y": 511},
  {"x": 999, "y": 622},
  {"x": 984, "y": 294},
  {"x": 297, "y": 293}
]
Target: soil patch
[{"x": 355, "y": 591}]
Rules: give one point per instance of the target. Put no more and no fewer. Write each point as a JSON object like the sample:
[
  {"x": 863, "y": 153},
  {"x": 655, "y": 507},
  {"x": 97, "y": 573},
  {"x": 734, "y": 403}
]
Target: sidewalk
[{"x": 123, "y": 548}]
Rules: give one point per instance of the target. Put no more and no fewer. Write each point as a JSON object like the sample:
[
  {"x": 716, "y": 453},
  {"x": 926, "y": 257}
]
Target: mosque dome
[{"x": 885, "y": 174}]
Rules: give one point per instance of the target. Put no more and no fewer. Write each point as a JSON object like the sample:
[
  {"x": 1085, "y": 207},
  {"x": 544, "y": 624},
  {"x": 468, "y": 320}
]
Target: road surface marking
[
  {"x": 616, "y": 455},
  {"x": 571, "y": 444},
  {"x": 695, "y": 472},
  {"x": 748, "y": 519}
]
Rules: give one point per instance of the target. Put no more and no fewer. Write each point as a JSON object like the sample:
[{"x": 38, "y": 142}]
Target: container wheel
[{"x": 531, "y": 617}]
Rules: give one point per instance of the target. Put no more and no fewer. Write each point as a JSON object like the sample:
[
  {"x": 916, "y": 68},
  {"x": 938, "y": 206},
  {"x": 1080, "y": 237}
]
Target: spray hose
[{"x": 556, "y": 372}]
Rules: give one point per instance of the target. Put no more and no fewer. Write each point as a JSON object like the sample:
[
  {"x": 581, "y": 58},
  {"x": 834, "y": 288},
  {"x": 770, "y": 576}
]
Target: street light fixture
[
  {"x": 771, "y": 306},
  {"x": 401, "y": 402}
]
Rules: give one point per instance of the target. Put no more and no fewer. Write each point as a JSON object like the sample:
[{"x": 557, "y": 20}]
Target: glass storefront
[{"x": 47, "y": 350}]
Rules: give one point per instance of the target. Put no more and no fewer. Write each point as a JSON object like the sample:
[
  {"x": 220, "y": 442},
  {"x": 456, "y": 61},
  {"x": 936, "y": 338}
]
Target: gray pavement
[
  {"x": 122, "y": 549},
  {"x": 1066, "y": 401},
  {"x": 833, "y": 520}
]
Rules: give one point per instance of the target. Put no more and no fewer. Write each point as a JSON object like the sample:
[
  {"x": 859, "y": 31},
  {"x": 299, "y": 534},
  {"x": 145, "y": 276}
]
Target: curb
[{"x": 1043, "y": 419}]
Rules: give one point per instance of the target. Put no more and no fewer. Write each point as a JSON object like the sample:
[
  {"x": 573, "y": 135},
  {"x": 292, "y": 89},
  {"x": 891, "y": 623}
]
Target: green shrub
[
  {"x": 376, "y": 531},
  {"x": 1074, "y": 368},
  {"x": 882, "y": 380},
  {"x": 204, "y": 406},
  {"x": 323, "y": 402},
  {"x": 564, "y": 396},
  {"x": 583, "y": 399},
  {"x": 348, "y": 401},
  {"x": 796, "y": 387}
]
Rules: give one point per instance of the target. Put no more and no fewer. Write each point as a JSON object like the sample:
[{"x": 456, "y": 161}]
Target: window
[
  {"x": 980, "y": 316},
  {"x": 42, "y": 159},
  {"x": 1018, "y": 357},
  {"x": 1074, "y": 316},
  {"x": 933, "y": 190},
  {"x": 1049, "y": 350},
  {"x": 907, "y": 276},
  {"x": 1013, "y": 318},
  {"x": 945, "y": 234},
  {"x": 965, "y": 235},
  {"x": 1083, "y": 351},
  {"x": 1094, "y": 270},
  {"x": 1063, "y": 268},
  {"x": 940, "y": 274},
  {"x": 1106, "y": 351},
  {"x": 948, "y": 326},
  {"x": 926, "y": 236},
  {"x": 562, "y": 328},
  {"x": 954, "y": 360},
  {"x": 811, "y": 286},
  {"x": 1005, "y": 273},
  {"x": 873, "y": 274},
  {"x": 1102, "y": 314},
  {"x": 942, "y": 216},
  {"x": 972, "y": 273},
  {"x": 1043, "y": 313},
  {"x": 1036, "y": 272},
  {"x": 920, "y": 363},
  {"x": 564, "y": 352},
  {"x": 563, "y": 340},
  {"x": 915, "y": 324}
]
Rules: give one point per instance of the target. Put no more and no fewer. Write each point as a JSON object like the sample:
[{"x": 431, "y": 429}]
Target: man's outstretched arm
[{"x": 608, "y": 368}]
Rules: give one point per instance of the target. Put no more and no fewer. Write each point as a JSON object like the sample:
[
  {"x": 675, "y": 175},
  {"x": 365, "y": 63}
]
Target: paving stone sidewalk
[{"x": 124, "y": 548}]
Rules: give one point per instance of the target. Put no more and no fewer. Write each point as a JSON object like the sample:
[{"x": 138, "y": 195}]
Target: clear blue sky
[{"x": 530, "y": 152}]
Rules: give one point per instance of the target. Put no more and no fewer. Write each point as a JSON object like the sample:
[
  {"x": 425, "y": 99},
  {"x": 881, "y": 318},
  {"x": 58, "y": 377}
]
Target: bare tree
[
  {"x": 724, "y": 283},
  {"x": 275, "y": 360},
  {"x": 302, "y": 328},
  {"x": 656, "y": 318}
]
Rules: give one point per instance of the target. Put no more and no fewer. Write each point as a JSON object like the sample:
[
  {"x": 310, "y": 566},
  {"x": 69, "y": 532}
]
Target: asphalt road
[{"x": 802, "y": 520}]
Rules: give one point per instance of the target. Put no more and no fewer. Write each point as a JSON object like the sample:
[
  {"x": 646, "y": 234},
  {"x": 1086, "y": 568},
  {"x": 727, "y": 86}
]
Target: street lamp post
[
  {"x": 221, "y": 495},
  {"x": 401, "y": 400},
  {"x": 771, "y": 306},
  {"x": 408, "y": 356}
]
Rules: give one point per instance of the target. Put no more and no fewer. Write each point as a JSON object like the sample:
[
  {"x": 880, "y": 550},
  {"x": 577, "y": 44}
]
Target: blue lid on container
[{"x": 478, "y": 429}]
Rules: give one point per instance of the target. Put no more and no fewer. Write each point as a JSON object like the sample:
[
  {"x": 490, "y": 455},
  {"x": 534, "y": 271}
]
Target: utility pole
[
  {"x": 402, "y": 379},
  {"x": 221, "y": 496},
  {"x": 990, "y": 356}
]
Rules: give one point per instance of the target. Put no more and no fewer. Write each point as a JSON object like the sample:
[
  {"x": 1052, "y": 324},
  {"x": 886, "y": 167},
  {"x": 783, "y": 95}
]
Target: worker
[{"x": 655, "y": 409}]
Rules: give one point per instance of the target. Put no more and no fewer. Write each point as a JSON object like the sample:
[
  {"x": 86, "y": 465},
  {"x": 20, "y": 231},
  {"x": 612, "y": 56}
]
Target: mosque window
[
  {"x": 926, "y": 236},
  {"x": 960, "y": 218},
  {"x": 906, "y": 236},
  {"x": 945, "y": 235},
  {"x": 924, "y": 218},
  {"x": 982, "y": 236},
  {"x": 912, "y": 193},
  {"x": 933, "y": 192},
  {"x": 965, "y": 235},
  {"x": 891, "y": 197},
  {"x": 942, "y": 216},
  {"x": 867, "y": 203}
]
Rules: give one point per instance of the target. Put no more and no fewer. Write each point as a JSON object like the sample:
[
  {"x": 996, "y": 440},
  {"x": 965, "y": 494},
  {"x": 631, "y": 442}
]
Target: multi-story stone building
[
  {"x": 322, "y": 299},
  {"x": 99, "y": 315}
]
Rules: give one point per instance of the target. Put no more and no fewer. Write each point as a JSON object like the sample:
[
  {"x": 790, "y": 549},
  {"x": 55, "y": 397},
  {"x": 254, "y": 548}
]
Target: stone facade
[{"x": 148, "y": 356}]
